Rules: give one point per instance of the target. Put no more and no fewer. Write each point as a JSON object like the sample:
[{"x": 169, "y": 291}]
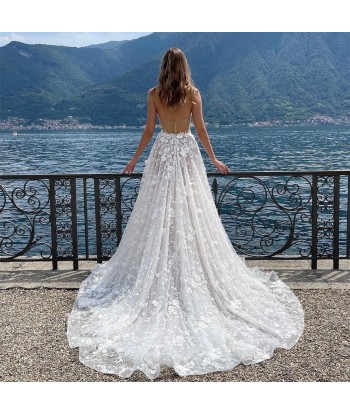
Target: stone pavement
[
  {"x": 297, "y": 274},
  {"x": 33, "y": 328}
]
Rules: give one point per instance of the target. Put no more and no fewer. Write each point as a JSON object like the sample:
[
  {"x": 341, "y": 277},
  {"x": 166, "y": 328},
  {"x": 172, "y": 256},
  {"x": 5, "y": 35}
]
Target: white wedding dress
[{"x": 175, "y": 292}]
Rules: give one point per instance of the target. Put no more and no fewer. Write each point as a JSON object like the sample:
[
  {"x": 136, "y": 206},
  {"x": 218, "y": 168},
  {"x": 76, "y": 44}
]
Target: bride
[{"x": 175, "y": 292}]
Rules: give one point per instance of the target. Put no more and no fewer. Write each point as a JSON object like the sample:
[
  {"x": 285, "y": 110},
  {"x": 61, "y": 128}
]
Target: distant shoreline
[{"x": 18, "y": 124}]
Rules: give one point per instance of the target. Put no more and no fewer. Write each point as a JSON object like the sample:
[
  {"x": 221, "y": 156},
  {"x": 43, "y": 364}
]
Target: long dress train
[{"x": 175, "y": 292}]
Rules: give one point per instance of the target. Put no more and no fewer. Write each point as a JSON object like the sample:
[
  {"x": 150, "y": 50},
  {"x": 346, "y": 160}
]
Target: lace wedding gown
[{"x": 175, "y": 292}]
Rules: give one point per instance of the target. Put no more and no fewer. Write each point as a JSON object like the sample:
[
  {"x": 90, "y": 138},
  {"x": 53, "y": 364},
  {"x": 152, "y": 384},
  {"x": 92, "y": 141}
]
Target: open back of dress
[{"x": 175, "y": 127}]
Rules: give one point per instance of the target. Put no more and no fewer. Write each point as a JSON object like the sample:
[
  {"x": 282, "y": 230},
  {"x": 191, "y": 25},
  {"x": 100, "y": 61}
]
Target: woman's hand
[
  {"x": 130, "y": 166},
  {"x": 220, "y": 166}
]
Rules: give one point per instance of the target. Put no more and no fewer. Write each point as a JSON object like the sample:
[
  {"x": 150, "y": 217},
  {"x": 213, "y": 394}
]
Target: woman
[
  {"x": 175, "y": 293},
  {"x": 174, "y": 100}
]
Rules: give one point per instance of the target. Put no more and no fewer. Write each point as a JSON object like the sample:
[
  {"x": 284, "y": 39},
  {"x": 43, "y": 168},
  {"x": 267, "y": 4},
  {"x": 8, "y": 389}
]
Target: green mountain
[
  {"x": 121, "y": 101},
  {"x": 306, "y": 74},
  {"x": 33, "y": 78},
  {"x": 108, "y": 45},
  {"x": 243, "y": 77}
]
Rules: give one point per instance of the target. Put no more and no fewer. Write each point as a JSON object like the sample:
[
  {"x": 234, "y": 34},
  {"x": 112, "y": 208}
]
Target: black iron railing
[{"x": 267, "y": 214}]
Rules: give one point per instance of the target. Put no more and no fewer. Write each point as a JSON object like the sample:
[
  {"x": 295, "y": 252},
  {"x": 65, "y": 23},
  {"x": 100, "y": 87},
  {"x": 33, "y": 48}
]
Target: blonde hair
[{"x": 175, "y": 82}]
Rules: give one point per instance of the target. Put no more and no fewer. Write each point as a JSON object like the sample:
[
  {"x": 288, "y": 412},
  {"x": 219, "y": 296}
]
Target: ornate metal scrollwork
[
  {"x": 106, "y": 218},
  {"x": 325, "y": 208},
  {"x": 23, "y": 207},
  {"x": 112, "y": 211},
  {"x": 261, "y": 216},
  {"x": 63, "y": 210},
  {"x": 130, "y": 190}
]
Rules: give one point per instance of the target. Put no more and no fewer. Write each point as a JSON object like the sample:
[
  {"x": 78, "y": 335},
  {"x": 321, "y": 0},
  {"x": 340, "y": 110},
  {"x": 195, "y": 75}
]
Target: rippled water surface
[{"x": 262, "y": 148}]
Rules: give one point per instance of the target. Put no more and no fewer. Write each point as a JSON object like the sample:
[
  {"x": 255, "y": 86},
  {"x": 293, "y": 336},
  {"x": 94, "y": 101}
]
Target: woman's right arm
[{"x": 197, "y": 116}]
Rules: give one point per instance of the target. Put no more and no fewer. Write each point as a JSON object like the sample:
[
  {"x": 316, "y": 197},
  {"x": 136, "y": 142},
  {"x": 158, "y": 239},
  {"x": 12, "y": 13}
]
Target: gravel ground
[{"x": 33, "y": 344}]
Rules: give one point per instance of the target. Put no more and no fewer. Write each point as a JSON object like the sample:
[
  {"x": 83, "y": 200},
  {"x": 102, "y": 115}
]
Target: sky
[
  {"x": 77, "y": 39},
  {"x": 79, "y": 23}
]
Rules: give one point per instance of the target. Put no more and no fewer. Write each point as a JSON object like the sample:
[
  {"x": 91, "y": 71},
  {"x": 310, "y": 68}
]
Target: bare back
[{"x": 173, "y": 120}]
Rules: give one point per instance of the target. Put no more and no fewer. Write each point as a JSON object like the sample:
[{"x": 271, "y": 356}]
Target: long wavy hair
[{"x": 175, "y": 82}]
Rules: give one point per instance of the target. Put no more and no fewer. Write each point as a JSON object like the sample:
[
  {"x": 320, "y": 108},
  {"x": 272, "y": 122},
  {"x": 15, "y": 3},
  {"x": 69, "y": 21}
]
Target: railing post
[
  {"x": 53, "y": 223},
  {"x": 348, "y": 221},
  {"x": 98, "y": 220},
  {"x": 214, "y": 187},
  {"x": 86, "y": 220},
  {"x": 118, "y": 206},
  {"x": 73, "y": 187},
  {"x": 336, "y": 222},
  {"x": 314, "y": 230}
]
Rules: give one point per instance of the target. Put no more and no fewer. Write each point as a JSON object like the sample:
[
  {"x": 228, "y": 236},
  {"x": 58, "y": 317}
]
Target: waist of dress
[{"x": 180, "y": 133}]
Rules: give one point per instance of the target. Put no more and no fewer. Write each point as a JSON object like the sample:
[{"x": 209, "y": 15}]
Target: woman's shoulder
[
  {"x": 193, "y": 91},
  {"x": 195, "y": 95},
  {"x": 152, "y": 91}
]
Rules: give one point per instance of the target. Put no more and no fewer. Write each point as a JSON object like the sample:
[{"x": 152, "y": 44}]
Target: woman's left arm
[{"x": 147, "y": 132}]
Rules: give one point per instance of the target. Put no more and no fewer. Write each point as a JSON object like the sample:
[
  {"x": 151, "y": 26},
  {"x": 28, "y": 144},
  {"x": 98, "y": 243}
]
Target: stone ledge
[{"x": 296, "y": 274}]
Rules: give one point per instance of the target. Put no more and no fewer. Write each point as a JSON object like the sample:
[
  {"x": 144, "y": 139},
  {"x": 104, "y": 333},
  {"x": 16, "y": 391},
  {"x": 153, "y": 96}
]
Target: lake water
[
  {"x": 246, "y": 149},
  {"x": 261, "y": 148}
]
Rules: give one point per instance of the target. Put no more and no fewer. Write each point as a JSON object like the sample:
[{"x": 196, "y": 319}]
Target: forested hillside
[{"x": 243, "y": 77}]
